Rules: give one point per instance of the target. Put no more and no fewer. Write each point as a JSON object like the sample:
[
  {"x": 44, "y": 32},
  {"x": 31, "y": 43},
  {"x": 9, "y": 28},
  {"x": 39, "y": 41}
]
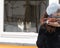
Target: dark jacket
[{"x": 48, "y": 40}]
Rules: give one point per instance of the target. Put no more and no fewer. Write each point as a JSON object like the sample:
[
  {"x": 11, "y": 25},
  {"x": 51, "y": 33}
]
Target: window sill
[{"x": 19, "y": 38}]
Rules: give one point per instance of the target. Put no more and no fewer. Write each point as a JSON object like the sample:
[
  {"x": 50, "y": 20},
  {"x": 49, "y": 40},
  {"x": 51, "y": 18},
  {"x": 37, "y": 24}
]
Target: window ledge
[{"x": 19, "y": 38}]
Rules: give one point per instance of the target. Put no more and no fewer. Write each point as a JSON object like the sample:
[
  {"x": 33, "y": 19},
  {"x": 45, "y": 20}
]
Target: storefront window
[{"x": 23, "y": 16}]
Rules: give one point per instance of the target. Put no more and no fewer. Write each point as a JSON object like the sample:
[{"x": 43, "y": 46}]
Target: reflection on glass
[
  {"x": 22, "y": 16},
  {"x": 17, "y": 17}
]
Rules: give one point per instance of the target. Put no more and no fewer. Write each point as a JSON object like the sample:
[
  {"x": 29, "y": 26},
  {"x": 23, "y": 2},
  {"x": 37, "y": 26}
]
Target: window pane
[{"x": 23, "y": 16}]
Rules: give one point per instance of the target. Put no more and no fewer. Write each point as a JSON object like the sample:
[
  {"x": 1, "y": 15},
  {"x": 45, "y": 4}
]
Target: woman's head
[{"x": 53, "y": 9}]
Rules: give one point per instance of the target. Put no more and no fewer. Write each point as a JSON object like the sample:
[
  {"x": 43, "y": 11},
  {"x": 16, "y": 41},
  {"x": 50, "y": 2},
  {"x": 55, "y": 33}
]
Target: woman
[{"x": 49, "y": 33}]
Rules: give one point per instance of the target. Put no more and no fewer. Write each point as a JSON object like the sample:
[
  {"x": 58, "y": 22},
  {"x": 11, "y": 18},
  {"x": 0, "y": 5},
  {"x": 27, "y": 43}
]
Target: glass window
[{"x": 23, "y": 16}]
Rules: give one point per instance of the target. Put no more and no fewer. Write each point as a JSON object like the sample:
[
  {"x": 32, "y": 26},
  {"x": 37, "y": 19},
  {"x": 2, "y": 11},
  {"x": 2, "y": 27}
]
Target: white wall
[{"x": 53, "y": 1}]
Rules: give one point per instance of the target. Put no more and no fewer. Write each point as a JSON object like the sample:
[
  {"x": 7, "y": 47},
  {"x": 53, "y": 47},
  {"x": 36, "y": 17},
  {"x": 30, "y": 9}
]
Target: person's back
[
  {"x": 54, "y": 39},
  {"x": 48, "y": 40},
  {"x": 42, "y": 38}
]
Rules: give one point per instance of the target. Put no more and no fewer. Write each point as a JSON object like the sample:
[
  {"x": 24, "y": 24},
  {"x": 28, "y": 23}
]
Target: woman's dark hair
[
  {"x": 45, "y": 15},
  {"x": 48, "y": 27}
]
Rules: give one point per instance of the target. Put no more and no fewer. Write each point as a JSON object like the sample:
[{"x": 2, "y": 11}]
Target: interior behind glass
[{"x": 23, "y": 15}]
